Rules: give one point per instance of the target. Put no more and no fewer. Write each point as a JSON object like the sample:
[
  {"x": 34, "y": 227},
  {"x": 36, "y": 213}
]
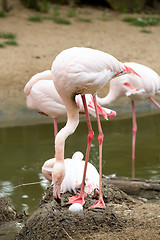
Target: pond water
[{"x": 24, "y": 149}]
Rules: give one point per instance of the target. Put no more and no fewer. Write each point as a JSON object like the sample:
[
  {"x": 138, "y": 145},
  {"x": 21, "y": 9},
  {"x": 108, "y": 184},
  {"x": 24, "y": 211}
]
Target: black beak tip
[{"x": 58, "y": 200}]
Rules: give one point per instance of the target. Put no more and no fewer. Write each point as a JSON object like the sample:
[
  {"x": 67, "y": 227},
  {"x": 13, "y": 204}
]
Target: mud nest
[
  {"x": 53, "y": 220},
  {"x": 7, "y": 211}
]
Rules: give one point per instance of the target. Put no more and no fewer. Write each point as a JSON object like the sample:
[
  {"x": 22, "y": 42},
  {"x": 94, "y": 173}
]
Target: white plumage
[
  {"x": 76, "y": 71},
  {"x": 42, "y": 95},
  {"x": 133, "y": 86},
  {"x": 136, "y": 88},
  {"x": 74, "y": 168}
]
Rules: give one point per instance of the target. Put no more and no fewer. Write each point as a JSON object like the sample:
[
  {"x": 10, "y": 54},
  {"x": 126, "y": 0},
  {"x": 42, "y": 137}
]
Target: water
[{"x": 24, "y": 149}]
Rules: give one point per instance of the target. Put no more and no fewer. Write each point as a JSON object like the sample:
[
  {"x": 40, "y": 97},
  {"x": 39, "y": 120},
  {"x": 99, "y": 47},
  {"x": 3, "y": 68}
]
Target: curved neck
[
  {"x": 70, "y": 127},
  {"x": 104, "y": 101}
]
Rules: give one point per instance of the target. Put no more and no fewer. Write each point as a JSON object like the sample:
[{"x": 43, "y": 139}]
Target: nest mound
[
  {"x": 7, "y": 210},
  {"x": 53, "y": 220}
]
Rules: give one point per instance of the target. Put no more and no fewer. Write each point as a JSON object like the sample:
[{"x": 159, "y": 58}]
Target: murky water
[{"x": 23, "y": 151}]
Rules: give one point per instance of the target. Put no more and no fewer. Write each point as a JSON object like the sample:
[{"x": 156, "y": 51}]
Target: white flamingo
[
  {"x": 136, "y": 88},
  {"x": 76, "y": 71},
  {"x": 42, "y": 95},
  {"x": 74, "y": 172}
]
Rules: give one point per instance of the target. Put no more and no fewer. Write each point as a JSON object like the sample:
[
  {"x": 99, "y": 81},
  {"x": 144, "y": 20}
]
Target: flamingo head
[
  {"x": 105, "y": 112},
  {"x": 126, "y": 70},
  {"x": 58, "y": 174},
  {"x": 110, "y": 113},
  {"x": 47, "y": 168}
]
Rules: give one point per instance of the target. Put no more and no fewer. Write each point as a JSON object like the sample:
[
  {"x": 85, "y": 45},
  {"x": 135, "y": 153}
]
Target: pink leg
[
  {"x": 134, "y": 130},
  {"x": 80, "y": 198},
  {"x": 55, "y": 127},
  {"x": 152, "y": 100},
  {"x": 100, "y": 203}
]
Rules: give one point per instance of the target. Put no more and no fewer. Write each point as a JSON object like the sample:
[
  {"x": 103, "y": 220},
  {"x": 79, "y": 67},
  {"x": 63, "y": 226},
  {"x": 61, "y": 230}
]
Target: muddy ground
[
  {"x": 124, "y": 218},
  {"x": 40, "y": 42}
]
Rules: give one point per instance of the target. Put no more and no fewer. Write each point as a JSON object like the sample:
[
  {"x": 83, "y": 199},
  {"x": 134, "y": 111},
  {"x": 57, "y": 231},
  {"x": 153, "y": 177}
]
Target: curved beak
[
  {"x": 105, "y": 112},
  {"x": 130, "y": 70},
  {"x": 110, "y": 113},
  {"x": 101, "y": 110}
]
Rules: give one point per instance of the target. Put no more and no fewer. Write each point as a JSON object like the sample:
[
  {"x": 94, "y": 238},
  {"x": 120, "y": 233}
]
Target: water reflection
[{"x": 23, "y": 150}]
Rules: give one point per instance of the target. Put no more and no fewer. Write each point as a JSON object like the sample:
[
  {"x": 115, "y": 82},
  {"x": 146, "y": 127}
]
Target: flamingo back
[{"x": 81, "y": 70}]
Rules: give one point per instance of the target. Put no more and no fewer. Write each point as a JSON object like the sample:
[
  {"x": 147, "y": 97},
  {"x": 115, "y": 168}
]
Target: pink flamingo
[
  {"x": 74, "y": 173},
  {"x": 136, "y": 88},
  {"x": 76, "y": 71},
  {"x": 42, "y": 95}
]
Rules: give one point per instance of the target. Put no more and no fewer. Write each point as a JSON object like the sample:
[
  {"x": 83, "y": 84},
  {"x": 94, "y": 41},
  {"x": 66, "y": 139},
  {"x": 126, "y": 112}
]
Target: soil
[
  {"x": 38, "y": 44},
  {"x": 123, "y": 218}
]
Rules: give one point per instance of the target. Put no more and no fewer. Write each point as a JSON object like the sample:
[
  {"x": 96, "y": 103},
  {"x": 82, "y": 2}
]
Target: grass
[
  {"x": 11, "y": 43},
  {"x": 145, "y": 31},
  {"x": 104, "y": 16},
  {"x": 142, "y": 21},
  {"x": 84, "y": 19},
  {"x": 2, "y": 45},
  {"x": 56, "y": 12},
  {"x": 10, "y": 36},
  {"x": 72, "y": 12},
  {"x": 35, "y": 19},
  {"x": 2, "y": 14},
  {"x": 10, "y": 39},
  {"x": 61, "y": 21}
]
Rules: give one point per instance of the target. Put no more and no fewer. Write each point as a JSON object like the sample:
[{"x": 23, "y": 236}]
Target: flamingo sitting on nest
[
  {"x": 74, "y": 172},
  {"x": 76, "y": 71}
]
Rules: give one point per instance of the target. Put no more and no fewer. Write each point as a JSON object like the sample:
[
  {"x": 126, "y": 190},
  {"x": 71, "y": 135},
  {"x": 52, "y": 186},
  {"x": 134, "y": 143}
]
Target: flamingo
[
  {"x": 42, "y": 95},
  {"x": 136, "y": 88},
  {"x": 80, "y": 70},
  {"x": 74, "y": 173}
]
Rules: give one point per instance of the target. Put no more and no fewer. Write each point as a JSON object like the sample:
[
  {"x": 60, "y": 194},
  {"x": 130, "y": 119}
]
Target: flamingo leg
[
  {"x": 55, "y": 127},
  {"x": 80, "y": 198},
  {"x": 100, "y": 203},
  {"x": 152, "y": 100},
  {"x": 134, "y": 131}
]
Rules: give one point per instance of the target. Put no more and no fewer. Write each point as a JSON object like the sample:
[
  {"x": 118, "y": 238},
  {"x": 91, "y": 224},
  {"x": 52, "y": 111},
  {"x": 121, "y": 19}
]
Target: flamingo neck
[
  {"x": 104, "y": 101},
  {"x": 70, "y": 127}
]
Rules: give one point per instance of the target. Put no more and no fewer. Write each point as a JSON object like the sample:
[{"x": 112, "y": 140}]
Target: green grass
[
  {"x": 35, "y": 19},
  {"x": 72, "y": 12},
  {"x": 104, "y": 16},
  {"x": 2, "y": 14},
  {"x": 145, "y": 31},
  {"x": 2, "y": 45},
  {"x": 142, "y": 21},
  {"x": 61, "y": 21},
  {"x": 84, "y": 19},
  {"x": 56, "y": 12},
  {"x": 11, "y": 43},
  {"x": 10, "y": 39},
  {"x": 7, "y": 35}
]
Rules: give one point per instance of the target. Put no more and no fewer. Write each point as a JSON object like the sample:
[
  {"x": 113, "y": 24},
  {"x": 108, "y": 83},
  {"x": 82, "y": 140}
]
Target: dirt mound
[
  {"x": 7, "y": 211},
  {"x": 54, "y": 221}
]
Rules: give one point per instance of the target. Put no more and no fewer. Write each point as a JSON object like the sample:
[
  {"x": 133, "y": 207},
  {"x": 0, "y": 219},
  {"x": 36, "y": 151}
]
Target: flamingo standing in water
[
  {"x": 136, "y": 88},
  {"x": 76, "y": 71},
  {"x": 42, "y": 95},
  {"x": 74, "y": 173}
]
